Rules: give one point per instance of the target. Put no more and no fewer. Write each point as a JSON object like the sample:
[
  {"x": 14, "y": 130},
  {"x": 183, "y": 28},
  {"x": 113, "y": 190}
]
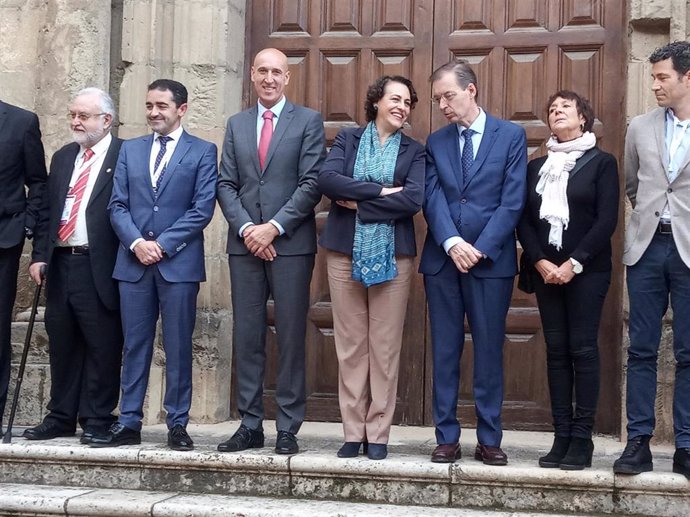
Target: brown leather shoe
[
  {"x": 490, "y": 455},
  {"x": 446, "y": 453}
]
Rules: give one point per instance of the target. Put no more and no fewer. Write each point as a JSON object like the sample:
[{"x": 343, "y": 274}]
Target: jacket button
[
  {"x": 656, "y": 214},
  {"x": 463, "y": 201},
  {"x": 261, "y": 182},
  {"x": 669, "y": 190},
  {"x": 150, "y": 234},
  {"x": 155, "y": 209}
]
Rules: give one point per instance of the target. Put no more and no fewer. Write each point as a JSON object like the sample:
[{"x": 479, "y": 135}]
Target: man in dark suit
[
  {"x": 163, "y": 198},
  {"x": 267, "y": 190},
  {"x": 475, "y": 191},
  {"x": 22, "y": 164},
  {"x": 77, "y": 243}
]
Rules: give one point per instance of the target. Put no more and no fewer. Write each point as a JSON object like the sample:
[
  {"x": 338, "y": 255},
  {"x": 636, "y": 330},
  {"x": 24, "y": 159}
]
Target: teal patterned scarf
[{"x": 373, "y": 254}]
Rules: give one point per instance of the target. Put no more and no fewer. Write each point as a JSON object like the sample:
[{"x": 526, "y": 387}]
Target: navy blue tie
[
  {"x": 467, "y": 153},
  {"x": 163, "y": 141}
]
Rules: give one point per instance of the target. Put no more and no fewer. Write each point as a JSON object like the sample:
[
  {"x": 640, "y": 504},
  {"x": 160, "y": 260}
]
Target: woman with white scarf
[
  {"x": 375, "y": 177},
  {"x": 565, "y": 232}
]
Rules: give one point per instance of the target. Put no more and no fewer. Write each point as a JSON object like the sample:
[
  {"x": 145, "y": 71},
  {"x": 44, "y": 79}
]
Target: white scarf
[{"x": 553, "y": 182}]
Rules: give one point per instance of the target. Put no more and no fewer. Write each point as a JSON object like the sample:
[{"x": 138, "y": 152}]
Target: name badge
[{"x": 69, "y": 203}]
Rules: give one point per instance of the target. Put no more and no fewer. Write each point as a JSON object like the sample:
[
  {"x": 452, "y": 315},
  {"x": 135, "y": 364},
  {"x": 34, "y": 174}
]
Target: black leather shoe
[
  {"x": 179, "y": 440},
  {"x": 579, "y": 454},
  {"x": 90, "y": 431},
  {"x": 681, "y": 462},
  {"x": 244, "y": 438},
  {"x": 558, "y": 451},
  {"x": 286, "y": 443},
  {"x": 350, "y": 450},
  {"x": 446, "y": 453},
  {"x": 117, "y": 435},
  {"x": 47, "y": 431},
  {"x": 636, "y": 457},
  {"x": 377, "y": 451}
]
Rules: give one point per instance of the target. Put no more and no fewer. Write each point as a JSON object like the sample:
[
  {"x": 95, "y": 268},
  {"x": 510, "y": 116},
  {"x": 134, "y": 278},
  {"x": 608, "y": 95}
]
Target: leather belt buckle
[
  {"x": 664, "y": 228},
  {"x": 74, "y": 250}
]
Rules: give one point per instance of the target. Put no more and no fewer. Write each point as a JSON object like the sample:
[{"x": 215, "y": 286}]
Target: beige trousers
[{"x": 368, "y": 327}]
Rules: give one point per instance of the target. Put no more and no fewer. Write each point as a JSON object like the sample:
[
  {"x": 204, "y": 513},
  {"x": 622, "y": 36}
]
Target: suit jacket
[
  {"x": 103, "y": 242},
  {"x": 593, "y": 196},
  {"x": 336, "y": 182},
  {"x": 285, "y": 190},
  {"x": 22, "y": 163},
  {"x": 648, "y": 188},
  {"x": 483, "y": 211},
  {"x": 175, "y": 217}
]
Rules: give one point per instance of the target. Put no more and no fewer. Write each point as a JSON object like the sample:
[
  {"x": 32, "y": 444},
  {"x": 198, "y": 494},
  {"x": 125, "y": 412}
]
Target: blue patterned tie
[
  {"x": 467, "y": 153},
  {"x": 163, "y": 141}
]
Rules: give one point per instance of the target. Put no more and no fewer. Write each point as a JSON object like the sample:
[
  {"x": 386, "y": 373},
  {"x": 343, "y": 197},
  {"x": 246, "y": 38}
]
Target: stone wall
[{"x": 653, "y": 23}]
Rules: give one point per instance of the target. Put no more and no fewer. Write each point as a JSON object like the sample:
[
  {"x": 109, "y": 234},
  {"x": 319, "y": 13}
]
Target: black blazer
[
  {"x": 103, "y": 242},
  {"x": 336, "y": 182},
  {"x": 593, "y": 193},
  {"x": 22, "y": 163}
]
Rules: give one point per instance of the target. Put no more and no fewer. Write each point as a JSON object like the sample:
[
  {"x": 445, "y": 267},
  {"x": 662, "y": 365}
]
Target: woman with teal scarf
[{"x": 374, "y": 175}]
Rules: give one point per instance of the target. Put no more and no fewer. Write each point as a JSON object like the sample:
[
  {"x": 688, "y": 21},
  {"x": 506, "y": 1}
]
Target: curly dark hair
[
  {"x": 375, "y": 93},
  {"x": 583, "y": 106},
  {"x": 678, "y": 52}
]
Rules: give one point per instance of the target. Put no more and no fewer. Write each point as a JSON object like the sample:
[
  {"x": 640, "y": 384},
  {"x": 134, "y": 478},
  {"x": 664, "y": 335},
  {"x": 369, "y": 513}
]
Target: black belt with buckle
[
  {"x": 664, "y": 228},
  {"x": 72, "y": 250}
]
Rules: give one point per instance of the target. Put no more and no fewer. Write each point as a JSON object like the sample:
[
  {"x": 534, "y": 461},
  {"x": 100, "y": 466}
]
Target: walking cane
[{"x": 25, "y": 353}]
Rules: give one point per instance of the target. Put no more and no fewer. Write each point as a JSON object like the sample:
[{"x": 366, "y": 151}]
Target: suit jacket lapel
[
  {"x": 3, "y": 114},
  {"x": 452, "y": 147},
  {"x": 248, "y": 136},
  {"x": 490, "y": 132},
  {"x": 105, "y": 175},
  {"x": 180, "y": 150},
  {"x": 284, "y": 120},
  {"x": 65, "y": 174},
  {"x": 660, "y": 138}
]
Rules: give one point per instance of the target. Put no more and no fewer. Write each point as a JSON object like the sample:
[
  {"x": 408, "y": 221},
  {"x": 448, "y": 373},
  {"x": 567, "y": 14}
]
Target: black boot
[
  {"x": 579, "y": 454},
  {"x": 636, "y": 458},
  {"x": 558, "y": 451}
]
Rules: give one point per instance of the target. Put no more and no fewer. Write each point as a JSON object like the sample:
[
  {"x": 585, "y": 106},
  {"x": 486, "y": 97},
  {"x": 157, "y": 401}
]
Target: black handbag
[{"x": 526, "y": 275}]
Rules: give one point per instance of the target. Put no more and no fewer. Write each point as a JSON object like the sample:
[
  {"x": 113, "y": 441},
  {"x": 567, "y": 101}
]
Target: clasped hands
[
  {"x": 258, "y": 238},
  {"x": 465, "y": 256},
  {"x": 553, "y": 274},
  {"x": 352, "y": 205},
  {"x": 148, "y": 252}
]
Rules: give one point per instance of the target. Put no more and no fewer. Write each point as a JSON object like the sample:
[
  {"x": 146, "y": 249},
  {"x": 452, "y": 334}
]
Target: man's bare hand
[
  {"x": 148, "y": 252},
  {"x": 346, "y": 203},
  {"x": 465, "y": 256},
  {"x": 35, "y": 271},
  {"x": 268, "y": 253},
  {"x": 259, "y": 236}
]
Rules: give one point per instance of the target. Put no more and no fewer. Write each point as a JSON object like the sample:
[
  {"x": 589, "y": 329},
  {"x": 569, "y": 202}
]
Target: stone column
[{"x": 201, "y": 44}]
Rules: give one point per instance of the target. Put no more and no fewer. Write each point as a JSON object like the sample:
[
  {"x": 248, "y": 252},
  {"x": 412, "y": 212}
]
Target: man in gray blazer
[
  {"x": 267, "y": 191},
  {"x": 657, "y": 256}
]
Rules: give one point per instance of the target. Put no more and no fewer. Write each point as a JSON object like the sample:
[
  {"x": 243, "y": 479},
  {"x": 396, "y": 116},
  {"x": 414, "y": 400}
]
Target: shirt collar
[
  {"x": 174, "y": 135},
  {"x": 477, "y": 126},
  {"x": 276, "y": 109},
  {"x": 99, "y": 147}
]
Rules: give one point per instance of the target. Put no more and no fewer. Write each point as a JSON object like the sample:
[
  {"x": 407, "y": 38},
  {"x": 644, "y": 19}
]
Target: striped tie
[{"x": 67, "y": 229}]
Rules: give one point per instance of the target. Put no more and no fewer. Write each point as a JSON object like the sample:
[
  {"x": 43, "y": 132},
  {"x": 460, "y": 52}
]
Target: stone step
[
  {"x": 25, "y": 500},
  {"x": 407, "y": 477}
]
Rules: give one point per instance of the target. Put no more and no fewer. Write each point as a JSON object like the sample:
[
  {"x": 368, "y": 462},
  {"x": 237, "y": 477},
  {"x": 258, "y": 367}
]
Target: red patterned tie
[
  {"x": 67, "y": 229},
  {"x": 266, "y": 134}
]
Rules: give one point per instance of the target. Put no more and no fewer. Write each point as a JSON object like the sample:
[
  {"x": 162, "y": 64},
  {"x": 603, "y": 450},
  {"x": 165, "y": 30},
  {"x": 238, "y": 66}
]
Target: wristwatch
[{"x": 577, "y": 267}]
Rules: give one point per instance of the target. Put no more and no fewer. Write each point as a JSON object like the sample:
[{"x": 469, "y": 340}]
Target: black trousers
[
  {"x": 85, "y": 340},
  {"x": 570, "y": 316},
  {"x": 9, "y": 267}
]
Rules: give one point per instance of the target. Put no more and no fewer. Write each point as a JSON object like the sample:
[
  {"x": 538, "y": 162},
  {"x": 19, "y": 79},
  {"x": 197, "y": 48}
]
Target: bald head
[{"x": 270, "y": 76}]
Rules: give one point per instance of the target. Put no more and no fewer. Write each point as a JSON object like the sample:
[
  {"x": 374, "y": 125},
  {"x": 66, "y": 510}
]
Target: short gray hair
[{"x": 107, "y": 104}]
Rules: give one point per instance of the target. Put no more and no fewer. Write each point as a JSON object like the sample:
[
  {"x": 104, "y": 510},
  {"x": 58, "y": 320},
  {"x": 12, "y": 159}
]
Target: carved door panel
[{"x": 522, "y": 50}]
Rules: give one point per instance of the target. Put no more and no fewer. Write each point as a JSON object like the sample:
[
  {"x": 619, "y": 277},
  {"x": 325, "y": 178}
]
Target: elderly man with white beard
[{"x": 76, "y": 241}]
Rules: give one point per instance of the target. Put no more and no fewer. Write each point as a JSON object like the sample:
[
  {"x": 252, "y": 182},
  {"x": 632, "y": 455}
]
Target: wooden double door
[{"x": 522, "y": 51}]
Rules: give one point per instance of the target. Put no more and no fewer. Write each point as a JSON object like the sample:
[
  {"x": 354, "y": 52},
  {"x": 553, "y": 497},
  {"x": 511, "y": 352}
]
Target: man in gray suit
[
  {"x": 657, "y": 256},
  {"x": 267, "y": 190}
]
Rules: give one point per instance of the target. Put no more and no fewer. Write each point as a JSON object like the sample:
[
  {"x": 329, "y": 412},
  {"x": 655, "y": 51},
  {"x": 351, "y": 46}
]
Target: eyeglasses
[
  {"x": 83, "y": 117},
  {"x": 448, "y": 96}
]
